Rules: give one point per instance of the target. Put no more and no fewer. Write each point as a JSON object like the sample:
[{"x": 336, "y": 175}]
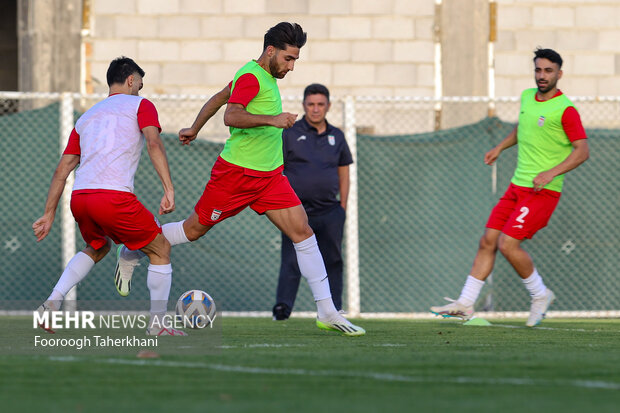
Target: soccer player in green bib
[
  {"x": 248, "y": 171},
  {"x": 551, "y": 141}
]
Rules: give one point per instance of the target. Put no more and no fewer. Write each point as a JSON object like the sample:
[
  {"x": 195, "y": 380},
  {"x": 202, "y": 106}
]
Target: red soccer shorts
[
  {"x": 521, "y": 211},
  {"x": 232, "y": 188},
  {"x": 116, "y": 214}
]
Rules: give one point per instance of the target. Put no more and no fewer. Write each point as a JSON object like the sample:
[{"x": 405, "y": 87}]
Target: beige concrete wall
[
  {"x": 49, "y": 45},
  {"x": 585, "y": 33},
  {"x": 363, "y": 47},
  {"x": 464, "y": 58},
  {"x": 191, "y": 46}
]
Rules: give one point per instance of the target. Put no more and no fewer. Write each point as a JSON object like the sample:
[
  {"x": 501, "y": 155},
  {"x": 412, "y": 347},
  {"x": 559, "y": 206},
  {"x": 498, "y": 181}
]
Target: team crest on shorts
[
  {"x": 541, "y": 121},
  {"x": 215, "y": 215},
  {"x": 331, "y": 139}
]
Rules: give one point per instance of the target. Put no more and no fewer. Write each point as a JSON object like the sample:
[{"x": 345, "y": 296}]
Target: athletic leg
[
  {"x": 192, "y": 229},
  {"x": 328, "y": 229},
  {"x": 482, "y": 267},
  {"x": 542, "y": 297},
  {"x": 516, "y": 256},
  {"x": 288, "y": 280},
  {"x": 159, "y": 281},
  {"x": 76, "y": 270},
  {"x": 485, "y": 256},
  {"x": 179, "y": 232},
  {"x": 294, "y": 223}
]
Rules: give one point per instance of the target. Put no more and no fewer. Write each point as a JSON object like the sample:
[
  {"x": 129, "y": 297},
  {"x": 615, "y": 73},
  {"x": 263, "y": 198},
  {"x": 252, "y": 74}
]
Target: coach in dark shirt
[{"x": 316, "y": 162}]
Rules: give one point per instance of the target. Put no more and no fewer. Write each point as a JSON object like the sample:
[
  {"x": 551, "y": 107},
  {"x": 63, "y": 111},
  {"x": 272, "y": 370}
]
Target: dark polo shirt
[{"x": 311, "y": 162}]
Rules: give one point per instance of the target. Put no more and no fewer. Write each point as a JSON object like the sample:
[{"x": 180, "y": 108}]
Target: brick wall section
[
  {"x": 193, "y": 46},
  {"x": 585, "y": 33},
  {"x": 354, "y": 46}
]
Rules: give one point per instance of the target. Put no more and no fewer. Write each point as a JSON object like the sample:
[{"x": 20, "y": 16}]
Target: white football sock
[
  {"x": 174, "y": 233},
  {"x": 326, "y": 308},
  {"x": 159, "y": 280},
  {"x": 312, "y": 268},
  {"x": 470, "y": 291},
  {"x": 535, "y": 285},
  {"x": 75, "y": 271},
  {"x": 131, "y": 257}
]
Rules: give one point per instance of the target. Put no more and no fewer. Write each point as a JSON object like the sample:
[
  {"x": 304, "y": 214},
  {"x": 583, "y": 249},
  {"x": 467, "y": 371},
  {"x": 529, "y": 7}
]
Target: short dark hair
[
  {"x": 283, "y": 34},
  {"x": 121, "y": 68},
  {"x": 316, "y": 88},
  {"x": 549, "y": 54}
]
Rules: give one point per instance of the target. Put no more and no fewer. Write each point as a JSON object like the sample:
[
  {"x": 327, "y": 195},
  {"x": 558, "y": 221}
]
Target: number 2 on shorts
[{"x": 521, "y": 218}]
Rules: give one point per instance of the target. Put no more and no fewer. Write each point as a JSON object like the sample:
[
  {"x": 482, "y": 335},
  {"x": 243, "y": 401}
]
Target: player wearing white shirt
[{"x": 106, "y": 143}]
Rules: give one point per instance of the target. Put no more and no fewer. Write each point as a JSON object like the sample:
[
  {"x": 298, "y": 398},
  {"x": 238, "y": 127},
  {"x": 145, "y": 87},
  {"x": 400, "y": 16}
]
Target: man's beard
[
  {"x": 547, "y": 87},
  {"x": 273, "y": 68}
]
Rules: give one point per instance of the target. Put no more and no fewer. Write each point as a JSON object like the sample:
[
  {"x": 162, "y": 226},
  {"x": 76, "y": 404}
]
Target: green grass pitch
[{"x": 400, "y": 365}]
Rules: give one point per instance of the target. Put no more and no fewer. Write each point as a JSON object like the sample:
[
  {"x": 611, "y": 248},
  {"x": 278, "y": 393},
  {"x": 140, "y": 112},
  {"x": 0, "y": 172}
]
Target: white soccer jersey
[{"x": 110, "y": 144}]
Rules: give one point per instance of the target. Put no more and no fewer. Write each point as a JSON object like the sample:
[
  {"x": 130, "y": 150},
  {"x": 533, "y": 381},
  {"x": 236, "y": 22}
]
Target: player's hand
[
  {"x": 187, "y": 135},
  {"x": 42, "y": 226},
  {"x": 285, "y": 120},
  {"x": 542, "y": 179},
  {"x": 166, "y": 205},
  {"x": 491, "y": 156}
]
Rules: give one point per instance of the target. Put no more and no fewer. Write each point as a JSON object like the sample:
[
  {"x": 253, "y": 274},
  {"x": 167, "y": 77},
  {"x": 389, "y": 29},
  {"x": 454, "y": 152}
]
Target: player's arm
[
  {"x": 210, "y": 108},
  {"x": 43, "y": 225},
  {"x": 237, "y": 117},
  {"x": 245, "y": 89},
  {"x": 571, "y": 123},
  {"x": 580, "y": 154},
  {"x": 343, "y": 180},
  {"x": 510, "y": 140},
  {"x": 157, "y": 153}
]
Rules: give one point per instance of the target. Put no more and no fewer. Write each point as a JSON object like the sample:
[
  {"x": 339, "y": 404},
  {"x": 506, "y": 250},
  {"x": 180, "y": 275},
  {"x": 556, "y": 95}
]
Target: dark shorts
[
  {"x": 521, "y": 212},
  {"x": 232, "y": 188}
]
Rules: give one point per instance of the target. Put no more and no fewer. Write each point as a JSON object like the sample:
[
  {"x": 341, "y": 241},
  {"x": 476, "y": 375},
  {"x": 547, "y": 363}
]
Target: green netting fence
[{"x": 423, "y": 200}]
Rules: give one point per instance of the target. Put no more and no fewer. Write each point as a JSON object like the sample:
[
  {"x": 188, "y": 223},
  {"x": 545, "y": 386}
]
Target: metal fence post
[
  {"x": 351, "y": 223},
  {"x": 66, "y": 218}
]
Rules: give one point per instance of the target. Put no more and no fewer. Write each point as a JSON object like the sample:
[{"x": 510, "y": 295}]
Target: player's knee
[
  {"x": 105, "y": 249},
  {"x": 307, "y": 231},
  {"x": 163, "y": 249},
  {"x": 194, "y": 231},
  {"x": 506, "y": 247},
  {"x": 97, "y": 255},
  {"x": 300, "y": 233},
  {"x": 193, "y": 234},
  {"x": 488, "y": 243},
  {"x": 158, "y": 250},
  {"x": 304, "y": 232}
]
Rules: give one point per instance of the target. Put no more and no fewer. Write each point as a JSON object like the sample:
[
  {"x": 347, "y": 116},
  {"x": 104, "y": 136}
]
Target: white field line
[
  {"x": 263, "y": 345},
  {"x": 385, "y": 377},
  {"x": 582, "y": 330},
  {"x": 456, "y": 321},
  {"x": 283, "y": 345},
  {"x": 388, "y": 316}
]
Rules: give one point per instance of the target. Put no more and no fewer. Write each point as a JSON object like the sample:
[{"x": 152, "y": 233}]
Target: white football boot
[
  {"x": 454, "y": 309},
  {"x": 539, "y": 308},
  {"x": 123, "y": 274},
  {"x": 164, "y": 331},
  {"x": 48, "y": 306},
  {"x": 337, "y": 322}
]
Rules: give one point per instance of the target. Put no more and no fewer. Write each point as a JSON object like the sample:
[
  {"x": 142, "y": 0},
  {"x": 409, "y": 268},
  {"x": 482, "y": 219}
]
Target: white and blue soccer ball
[{"x": 195, "y": 309}]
